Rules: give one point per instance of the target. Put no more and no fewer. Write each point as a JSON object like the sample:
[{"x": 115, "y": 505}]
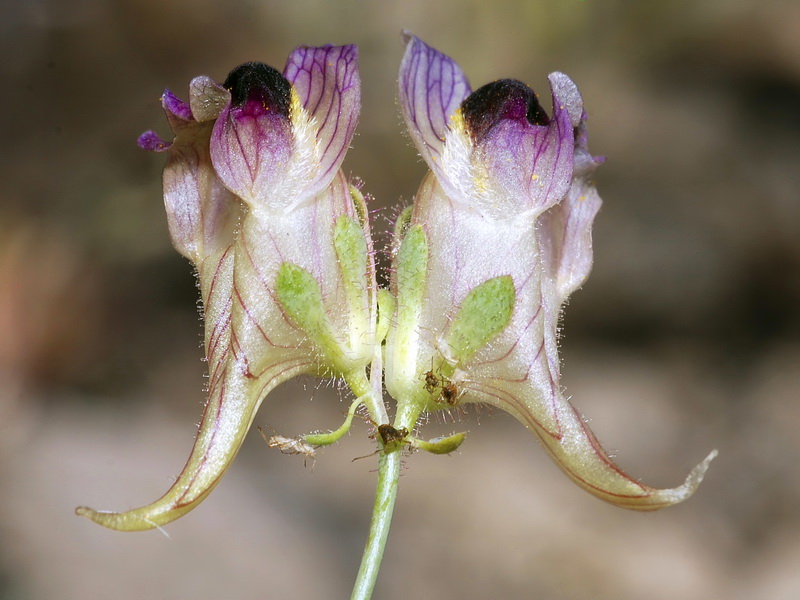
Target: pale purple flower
[
  {"x": 498, "y": 237},
  {"x": 256, "y": 198}
]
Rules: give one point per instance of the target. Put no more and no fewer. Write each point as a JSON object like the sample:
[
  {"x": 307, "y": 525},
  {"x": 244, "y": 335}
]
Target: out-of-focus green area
[{"x": 686, "y": 336}]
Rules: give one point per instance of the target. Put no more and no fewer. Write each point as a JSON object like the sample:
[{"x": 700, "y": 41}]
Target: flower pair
[{"x": 499, "y": 235}]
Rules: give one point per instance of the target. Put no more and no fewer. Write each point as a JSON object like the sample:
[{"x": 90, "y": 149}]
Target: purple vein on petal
[
  {"x": 432, "y": 87},
  {"x": 327, "y": 81}
]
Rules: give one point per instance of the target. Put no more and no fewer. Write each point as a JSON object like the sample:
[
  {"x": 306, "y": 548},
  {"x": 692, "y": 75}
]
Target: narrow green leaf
[
  {"x": 351, "y": 250},
  {"x": 412, "y": 266}
]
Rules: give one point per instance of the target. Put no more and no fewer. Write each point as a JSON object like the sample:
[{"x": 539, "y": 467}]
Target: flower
[
  {"x": 256, "y": 199},
  {"x": 498, "y": 237}
]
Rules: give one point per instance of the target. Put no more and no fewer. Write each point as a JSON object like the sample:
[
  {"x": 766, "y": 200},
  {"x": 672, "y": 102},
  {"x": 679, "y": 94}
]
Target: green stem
[
  {"x": 326, "y": 439},
  {"x": 408, "y": 411},
  {"x": 359, "y": 384},
  {"x": 388, "y": 477}
]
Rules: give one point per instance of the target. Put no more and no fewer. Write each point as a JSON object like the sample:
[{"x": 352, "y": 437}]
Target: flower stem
[
  {"x": 388, "y": 477},
  {"x": 370, "y": 391},
  {"x": 326, "y": 439}
]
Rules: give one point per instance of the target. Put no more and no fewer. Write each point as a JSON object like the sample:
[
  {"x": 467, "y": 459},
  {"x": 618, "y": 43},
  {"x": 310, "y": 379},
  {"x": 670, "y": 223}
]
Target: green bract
[{"x": 483, "y": 314}]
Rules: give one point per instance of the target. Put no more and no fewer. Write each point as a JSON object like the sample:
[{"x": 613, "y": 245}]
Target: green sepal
[
  {"x": 360, "y": 206},
  {"x": 351, "y": 250},
  {"x": 386, "y": 305},
  {"x": 412, "y": 263},
  {"x": 412, "y": 267},
  {"x": 299, "y": 295},
  {"x": 411, "y": 271},
  {"x": 402, "y": 223},
  {"x": 440, "y": 445},
  {"x": 483, "y": 314}
]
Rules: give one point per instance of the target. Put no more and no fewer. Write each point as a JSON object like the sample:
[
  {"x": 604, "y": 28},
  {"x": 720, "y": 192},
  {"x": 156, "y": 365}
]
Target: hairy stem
[
  {"x": 368, "y": 389},
  {"x": 388, "y": 477}
]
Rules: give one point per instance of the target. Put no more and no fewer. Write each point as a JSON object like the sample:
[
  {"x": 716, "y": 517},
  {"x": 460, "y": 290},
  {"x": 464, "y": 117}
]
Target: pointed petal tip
[
  {"x": 657, "y": 499},
  {"x": 695, "y": 477},
  {"x": 98, "y": 516},
  {"x": 408, "y": 37},
  {"x": 127, "y": 521},
  {"x": 161, "y": 512}
]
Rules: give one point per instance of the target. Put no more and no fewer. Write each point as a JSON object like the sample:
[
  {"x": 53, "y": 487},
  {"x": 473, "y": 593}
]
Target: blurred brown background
[{"x": 686, "y": 337}]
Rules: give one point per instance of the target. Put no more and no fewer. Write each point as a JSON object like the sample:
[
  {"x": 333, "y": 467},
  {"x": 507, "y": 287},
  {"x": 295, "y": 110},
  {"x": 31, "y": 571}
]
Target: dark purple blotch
[
  {"x": 500, "y": 100},
  {"x": 260, "y": 83}
]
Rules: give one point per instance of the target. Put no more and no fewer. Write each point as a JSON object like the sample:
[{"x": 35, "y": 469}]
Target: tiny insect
[
  {"x": 449, "y": 392},
  {"x": 291, "y": 446},
  {"x": 390, "y": 434},
  {"x": 432, "y": 382}
]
